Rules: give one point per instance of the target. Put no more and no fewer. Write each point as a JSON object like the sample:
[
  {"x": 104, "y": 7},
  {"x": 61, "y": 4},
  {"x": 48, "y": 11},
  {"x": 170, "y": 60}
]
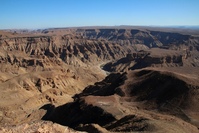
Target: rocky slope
[
  {"x": 134, "y": 101},
  {"x": 38, "y": 127}
]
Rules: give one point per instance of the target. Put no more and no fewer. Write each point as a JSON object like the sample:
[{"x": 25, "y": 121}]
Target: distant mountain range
[
  {"x": 185, "y": 27},
  {"x": 193, "y": 27}
]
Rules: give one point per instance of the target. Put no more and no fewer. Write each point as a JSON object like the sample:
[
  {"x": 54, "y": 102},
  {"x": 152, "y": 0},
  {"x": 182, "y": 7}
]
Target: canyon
[{"x": 99, "y": 79}]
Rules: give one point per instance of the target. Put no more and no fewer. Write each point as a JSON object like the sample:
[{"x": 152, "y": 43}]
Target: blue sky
[{"x": 33, "y": 14}]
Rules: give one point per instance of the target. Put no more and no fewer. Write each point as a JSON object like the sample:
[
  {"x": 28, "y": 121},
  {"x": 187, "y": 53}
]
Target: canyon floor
[{"x": 99, "y": 79}]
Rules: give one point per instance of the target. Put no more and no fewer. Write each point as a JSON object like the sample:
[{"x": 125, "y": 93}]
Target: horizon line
[{"x": 104, "y": 26}]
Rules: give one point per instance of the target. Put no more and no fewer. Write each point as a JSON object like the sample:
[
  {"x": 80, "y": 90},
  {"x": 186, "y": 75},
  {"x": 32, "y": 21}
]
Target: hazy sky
[{"x": 68, "y": 13}]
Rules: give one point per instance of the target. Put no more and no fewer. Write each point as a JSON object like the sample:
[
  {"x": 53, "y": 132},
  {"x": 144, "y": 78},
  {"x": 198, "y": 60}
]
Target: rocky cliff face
[
  {"x": 148, "y": 38},
  {"x": 155, "y": 58},
  {"x": 89, "y": 45},
  {"x": 70, "y": 50}
]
